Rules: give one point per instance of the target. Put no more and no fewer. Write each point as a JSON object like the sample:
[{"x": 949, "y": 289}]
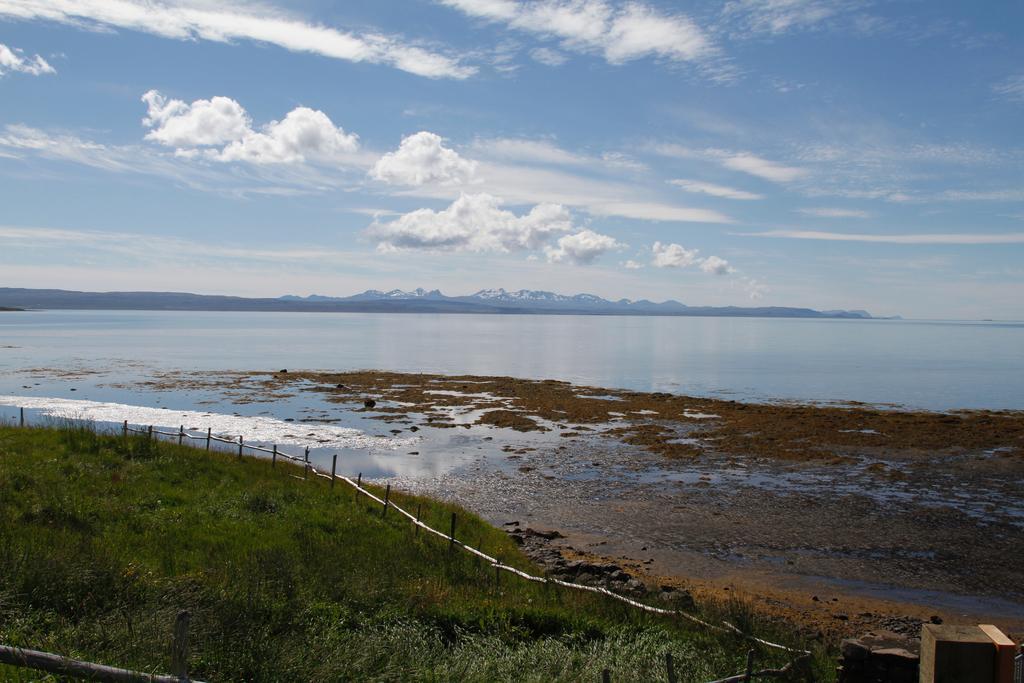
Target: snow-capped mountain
[{"x": 499, "y": 300}]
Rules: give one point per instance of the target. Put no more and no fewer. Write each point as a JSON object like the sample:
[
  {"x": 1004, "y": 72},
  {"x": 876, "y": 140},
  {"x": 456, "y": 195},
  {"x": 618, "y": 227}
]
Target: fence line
[{"x": 724, "y": 627}]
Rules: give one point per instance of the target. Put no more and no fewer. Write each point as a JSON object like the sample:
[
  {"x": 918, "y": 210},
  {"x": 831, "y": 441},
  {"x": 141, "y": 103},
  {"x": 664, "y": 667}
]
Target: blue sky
[{"x": 823, "y": 153}]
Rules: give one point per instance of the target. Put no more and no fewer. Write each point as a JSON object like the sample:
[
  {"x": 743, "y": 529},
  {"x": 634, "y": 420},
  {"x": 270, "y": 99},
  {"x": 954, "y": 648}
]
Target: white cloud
[
  {"x": 619, "y": 33},
  {"x": 303, "y": 135},
  {"x": 473, "y": 222},
  {"x": 826, "y": 212},
  {"x": 632, "y": 265},
  {"x": 713, "y": 265},
  {"x": 698, "y": 187},
  {"x": 673, "y": 256},
  {"x": 762, "y": 168},
  {"x": 20, "y": 141},
  {"x": 548, "y": 57},
  {"x": 227, "y": 21},
  {"x": 581, "y": 248},
  {"x": 1012, "y": 88},
  {"x": 11, "y": 59},
  {"x": 175, "y": 123},
  {"x": 423, "y": 159},
  {"x": 935, "y": 238},
  {"x": 201, "y": 127},
  {"x": 677, "y": 256}
]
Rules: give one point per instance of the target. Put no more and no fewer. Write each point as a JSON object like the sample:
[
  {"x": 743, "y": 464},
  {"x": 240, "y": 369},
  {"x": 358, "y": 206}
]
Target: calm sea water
[{"x": 926, "y": 364}]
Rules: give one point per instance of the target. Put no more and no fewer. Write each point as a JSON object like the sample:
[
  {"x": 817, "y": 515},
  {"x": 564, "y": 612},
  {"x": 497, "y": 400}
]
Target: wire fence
[{"x": 181, "y": 435}]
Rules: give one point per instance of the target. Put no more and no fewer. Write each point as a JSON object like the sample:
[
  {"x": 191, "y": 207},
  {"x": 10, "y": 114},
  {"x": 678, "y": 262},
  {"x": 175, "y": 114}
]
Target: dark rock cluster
[{"x": 878, "y": 657}]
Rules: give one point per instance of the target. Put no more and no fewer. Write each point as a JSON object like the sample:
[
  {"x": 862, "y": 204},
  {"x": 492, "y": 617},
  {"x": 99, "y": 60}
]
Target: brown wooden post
[
  {"x": 334, "y": 468},
  {"x": 273, "y": 458},
  {"x": 209, "y": 434},
  {"x": 150, "y": 432},
  {"x": 21, "y": 422},
  {"x": 671, "y": 668},
  {"x": 750, "y": 666},
  {"x": 305, "y": 467},
  {"x": 359, "y": 485},
  {"x": 124, "y": 429},
  {"x": 451, "y": 535},
  {"x": 179, "y": 648},
  {"x": 387, "y": 497},
  {"x": 606, "y": 676},
  {"x": 419, "y": 509},
  {"x": 181, "y": 434},
  {"x": 241, "y": 443}
]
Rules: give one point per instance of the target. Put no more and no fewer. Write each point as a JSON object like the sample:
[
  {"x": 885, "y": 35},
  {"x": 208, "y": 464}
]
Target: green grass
[{"x": 104, "y": 539}]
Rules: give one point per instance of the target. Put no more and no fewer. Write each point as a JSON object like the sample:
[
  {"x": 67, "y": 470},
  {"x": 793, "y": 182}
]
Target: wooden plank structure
[{"x": 965, "y": 654}]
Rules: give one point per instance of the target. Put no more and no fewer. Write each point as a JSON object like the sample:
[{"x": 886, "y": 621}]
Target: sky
[{"x": 835, "y": 154}]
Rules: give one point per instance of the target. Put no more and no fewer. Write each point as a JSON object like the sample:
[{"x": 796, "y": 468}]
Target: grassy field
[{"x": 104, "y": 539}]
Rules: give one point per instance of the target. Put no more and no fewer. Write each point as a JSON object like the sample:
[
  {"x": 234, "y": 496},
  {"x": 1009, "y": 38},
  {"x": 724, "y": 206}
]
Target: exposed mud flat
[{"x": 841, "y": 517}]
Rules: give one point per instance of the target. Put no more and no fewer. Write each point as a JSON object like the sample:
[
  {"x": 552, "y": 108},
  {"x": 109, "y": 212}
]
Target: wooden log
[
  {"x": 179, "y": 647},
  {"x": 65, "y": 666},
  {"x": 451, "y": 535}
]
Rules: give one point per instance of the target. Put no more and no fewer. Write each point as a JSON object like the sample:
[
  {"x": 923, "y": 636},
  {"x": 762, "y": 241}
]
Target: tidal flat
[{"x": 839, "y": 517}]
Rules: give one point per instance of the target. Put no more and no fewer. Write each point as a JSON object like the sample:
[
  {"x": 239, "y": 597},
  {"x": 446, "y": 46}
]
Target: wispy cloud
[
  {"x": 1011, "y": 88},
  {"x": 934, "y": 238},
  {"x": 699, "y": 187},
  {"x": 13, "y": 59},
  {"x": 743, "y": 162},
  {"x": 776, "y": 17},
  {"x": 827, "y": 212},
  {"x": 228, "y": 21},
  {"x": 618, "y": 32}
]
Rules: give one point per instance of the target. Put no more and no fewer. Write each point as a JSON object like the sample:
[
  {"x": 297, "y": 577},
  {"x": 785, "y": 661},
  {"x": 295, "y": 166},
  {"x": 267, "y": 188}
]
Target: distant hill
[{"x": 494, "y": 301}]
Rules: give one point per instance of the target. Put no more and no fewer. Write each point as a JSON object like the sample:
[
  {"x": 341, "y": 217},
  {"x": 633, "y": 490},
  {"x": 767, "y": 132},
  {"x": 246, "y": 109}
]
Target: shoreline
[{"x": 782, "y": 503}]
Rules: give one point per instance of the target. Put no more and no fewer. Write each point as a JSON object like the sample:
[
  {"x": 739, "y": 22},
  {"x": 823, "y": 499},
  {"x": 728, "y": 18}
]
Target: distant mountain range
[{"x": 495, "y": 301}]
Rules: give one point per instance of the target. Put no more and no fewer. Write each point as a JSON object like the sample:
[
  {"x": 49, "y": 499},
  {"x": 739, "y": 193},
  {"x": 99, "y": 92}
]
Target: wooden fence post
[
  {"x": 606, "y": 676},
  {"x": 750, "y": 666},
  {"x": 209, "y": 434},
  {"x": 387, "y": 497},
  {"x": 273, "y": 458},
  {"x": 670, "y": 668},
  {"x": 150, "y": 432},
  {"x": 451, "y": 535},
  {"x": 21, "y": 420},
  {"x": 305, "y": 468},
  {"x": 179, "y": 648},
  {"x": 181, "y": 434},
  {"x": 241, "y": 443},
  {"x": 419, "y": 509},
  {"x": 124, "y": 429},
  {"x": 334, "y": 468}
]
